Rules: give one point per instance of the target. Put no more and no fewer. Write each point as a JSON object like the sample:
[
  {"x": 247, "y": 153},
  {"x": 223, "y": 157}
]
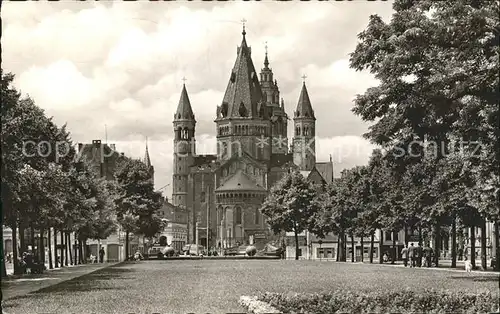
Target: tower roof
[
  {"x": 304, "y": 107},
  {"x": 184, "y": 110},
  {"x": 243, "y": 92},
  {"x": 240, "y": 182},
  {"x": 266, "y": 60},
  {"x": 147, "y": 160}
]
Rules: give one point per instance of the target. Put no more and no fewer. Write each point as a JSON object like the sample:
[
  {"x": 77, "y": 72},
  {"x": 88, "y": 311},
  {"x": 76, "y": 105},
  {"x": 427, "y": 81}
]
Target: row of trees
[
  {"x": 435, "y": 118},
  {"x": 50, "y": 191}
]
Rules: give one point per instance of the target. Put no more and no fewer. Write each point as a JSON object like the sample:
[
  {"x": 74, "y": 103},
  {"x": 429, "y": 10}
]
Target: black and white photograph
[{"x": 258, "y": 157}]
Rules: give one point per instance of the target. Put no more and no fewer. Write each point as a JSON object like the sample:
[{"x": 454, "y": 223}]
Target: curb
[{"x": 256, "y": 306}]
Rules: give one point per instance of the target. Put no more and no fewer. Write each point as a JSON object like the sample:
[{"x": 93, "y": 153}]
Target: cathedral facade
[{"x": 222, "y": 193}]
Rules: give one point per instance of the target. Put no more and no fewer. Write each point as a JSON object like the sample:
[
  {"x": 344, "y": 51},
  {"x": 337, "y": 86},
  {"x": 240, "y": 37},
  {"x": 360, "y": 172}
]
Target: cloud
[{"x": 119, "y": 64}]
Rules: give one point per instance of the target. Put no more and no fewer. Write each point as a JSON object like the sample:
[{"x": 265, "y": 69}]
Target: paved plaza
[{"x": 215, "y": 286}]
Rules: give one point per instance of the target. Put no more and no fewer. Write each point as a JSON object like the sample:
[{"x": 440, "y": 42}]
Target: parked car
[
  {"x": 190, "y": 250},
  {"x": 236, "y": 251},
  {"x": 156, "y": 251}
]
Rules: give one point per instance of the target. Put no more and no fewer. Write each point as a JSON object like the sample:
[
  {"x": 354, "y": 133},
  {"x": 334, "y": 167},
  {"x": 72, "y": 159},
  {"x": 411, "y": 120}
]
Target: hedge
[{"x": 428, "y": 301}]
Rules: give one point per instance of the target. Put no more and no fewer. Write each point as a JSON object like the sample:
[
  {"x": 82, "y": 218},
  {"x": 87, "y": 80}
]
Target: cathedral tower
[
  {"x": 304, "y": 147},
  {"x": 147, "y": 162},
  {"x": 279, "y": 119},
  {"x": 184, "y": 148},
  {"x": 243, "y": 124}
]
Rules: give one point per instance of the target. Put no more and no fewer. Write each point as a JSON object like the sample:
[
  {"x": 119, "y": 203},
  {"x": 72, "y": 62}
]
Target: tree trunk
[
  {"x": 68, "y": 248},
  {"x": 353, "y": 249},
  {"x": 296, "y": 235},
  {"x": 22, "y": 239},
  {"x": 42, "y": 246},
  {"x": 473, "y": 246},
  {"x": 497, "y": 246},
  {"x": 3, "y": 256},
  {"x": 338, "y": 249},
  {"x": 56, "y": 261},
  {"x": 406, "y": 235},
  {"x": 85, "y": 251},
  {"x": 394, "y": 248},
  {"x": 372, "y": 244},
  {"x": 62, "y": 248},
  {"x": 437, "y": 243},
  {"x": 80, "y": 252},
  {"x": 362, "y": 248},
  {"x": 75, "y": 248},
  {"x": 453, "y": 243},
  {"x": 342, "y": 247},
  {"x": 420, "y": 236},
  {"x": 484, "y": 264},
  {"x": 49, "y": 235},
  {"x": 65, "y": 247},
  {"x": 32, "y": 236},
  {"x": 380, "y": 243},
  {"x": 345, "y": 247},
  {"x": 126, "y": 245},
  {"x": 15, "y": 255}
]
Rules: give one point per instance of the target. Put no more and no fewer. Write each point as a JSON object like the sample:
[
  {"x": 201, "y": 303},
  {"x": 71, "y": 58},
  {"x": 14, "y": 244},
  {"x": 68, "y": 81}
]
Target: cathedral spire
[
  {"x": 184, "y": 110},
  {"x": 304, "y": 107},
  {"x": 243, "y": 21},
  {"x": 147, "y": 160},
  {"x": 243, "y": 96},
  {"x": 266, "y": 60}
]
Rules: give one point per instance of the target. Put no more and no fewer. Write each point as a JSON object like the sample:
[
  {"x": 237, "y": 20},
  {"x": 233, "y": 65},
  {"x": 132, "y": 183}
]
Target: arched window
[
  {"x": 257, "y": 213},
  {"x": 237, "y": 219}
]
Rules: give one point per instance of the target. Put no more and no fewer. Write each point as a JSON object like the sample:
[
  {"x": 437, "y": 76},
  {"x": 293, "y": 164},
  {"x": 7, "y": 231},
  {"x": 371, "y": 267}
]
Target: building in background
[
  {"x": 223, "y": 192},
  {"x": 175, "y": 229}
]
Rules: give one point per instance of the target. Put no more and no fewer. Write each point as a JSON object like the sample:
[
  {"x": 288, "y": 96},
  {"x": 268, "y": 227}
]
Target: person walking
[
  {"x": 101, "y": 255},
  {"x": 411, "y": 255},
  {"x": 404, "y": 255},
  {"x": 419, "y": 255},
  {"x": 429, "y": 257}
]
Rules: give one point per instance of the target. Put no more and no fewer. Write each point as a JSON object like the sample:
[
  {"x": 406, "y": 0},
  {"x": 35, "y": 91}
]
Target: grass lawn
[{"x": 214, "y": 286}]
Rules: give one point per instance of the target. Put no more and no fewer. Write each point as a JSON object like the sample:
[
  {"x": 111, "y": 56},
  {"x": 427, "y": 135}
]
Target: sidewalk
[{"x": 15, "y": 286}]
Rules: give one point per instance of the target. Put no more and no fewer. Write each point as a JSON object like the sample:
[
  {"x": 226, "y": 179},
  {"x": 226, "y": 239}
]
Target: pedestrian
[
  {"x": 411, "y": 255},
  {"x": 429, "y": 257},
  {"x": 101, "y": 255},
  {"x": 28, "y": 260},
  {"x": 404, "y": 255},
  {"x": 419, "y": 255}
]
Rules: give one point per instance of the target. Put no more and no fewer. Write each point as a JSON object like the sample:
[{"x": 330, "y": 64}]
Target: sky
[{"x": 118, "y": 66}]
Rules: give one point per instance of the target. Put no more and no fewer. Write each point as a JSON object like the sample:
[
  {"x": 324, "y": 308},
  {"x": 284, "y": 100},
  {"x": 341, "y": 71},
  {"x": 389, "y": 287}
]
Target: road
[{"x": 214, "y": 286}]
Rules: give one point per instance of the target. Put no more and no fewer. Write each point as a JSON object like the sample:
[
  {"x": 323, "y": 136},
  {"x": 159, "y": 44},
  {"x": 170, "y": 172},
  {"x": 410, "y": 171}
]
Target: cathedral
[{"x": 222, "y": 193}]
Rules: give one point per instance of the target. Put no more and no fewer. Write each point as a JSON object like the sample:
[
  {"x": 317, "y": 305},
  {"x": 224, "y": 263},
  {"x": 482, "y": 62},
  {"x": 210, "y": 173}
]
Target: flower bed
[{"x": 429, "y": 301}]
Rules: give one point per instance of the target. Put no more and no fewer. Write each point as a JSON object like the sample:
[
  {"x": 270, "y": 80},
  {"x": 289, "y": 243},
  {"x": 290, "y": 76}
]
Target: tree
[
  {"x": 337, "y": 214},
  {"x": 138, "y": 202},
  {"x": 290, "y": 206},
  {"x": 22, "y": 121},
  {"x": 437, "y": 63}
]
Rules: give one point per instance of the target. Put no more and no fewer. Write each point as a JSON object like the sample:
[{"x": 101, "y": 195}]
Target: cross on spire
[
  {"x": 304, "y": 78},
  {"x": 184, "y": 79},
  {"x": 266, "y": 47},
  {"x": 243, "y": 21}
]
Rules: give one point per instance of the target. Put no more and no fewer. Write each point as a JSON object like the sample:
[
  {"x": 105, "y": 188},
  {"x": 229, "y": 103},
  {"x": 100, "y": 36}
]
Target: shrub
[{"x": 428, "y": 301}]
